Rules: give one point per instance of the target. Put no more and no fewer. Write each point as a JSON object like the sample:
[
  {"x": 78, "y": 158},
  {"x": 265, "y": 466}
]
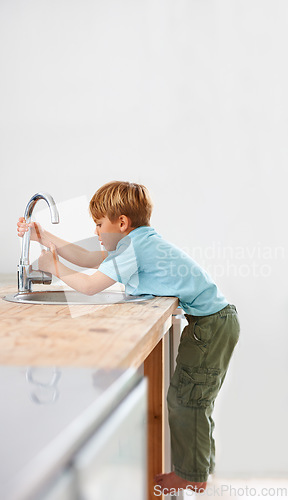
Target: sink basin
[{"x": 67, "y": 297}]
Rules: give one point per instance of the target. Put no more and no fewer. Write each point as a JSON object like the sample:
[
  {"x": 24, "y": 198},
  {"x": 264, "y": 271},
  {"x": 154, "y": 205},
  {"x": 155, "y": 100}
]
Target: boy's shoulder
[
  {"x": 142, "y": 230},
  {"x": 143, "y": 234},
  {"x": 146, "y": 239},
  {"x": 147, "y": 235}
]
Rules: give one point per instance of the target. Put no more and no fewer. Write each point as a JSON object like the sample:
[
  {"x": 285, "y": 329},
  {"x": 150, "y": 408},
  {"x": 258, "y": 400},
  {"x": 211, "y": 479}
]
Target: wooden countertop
[{"x": 110, "y": 336}]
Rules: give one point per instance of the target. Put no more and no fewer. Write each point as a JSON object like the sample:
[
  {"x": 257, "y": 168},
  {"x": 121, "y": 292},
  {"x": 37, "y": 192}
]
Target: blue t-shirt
[{"x": 147, "y": 264}]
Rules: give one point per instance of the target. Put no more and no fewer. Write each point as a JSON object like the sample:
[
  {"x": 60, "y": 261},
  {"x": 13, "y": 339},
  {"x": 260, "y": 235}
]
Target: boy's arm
[
  {"x": 74, "y": 253},
  {"x": 69, "y": 251},
  {"x": 89, "y": 285}
]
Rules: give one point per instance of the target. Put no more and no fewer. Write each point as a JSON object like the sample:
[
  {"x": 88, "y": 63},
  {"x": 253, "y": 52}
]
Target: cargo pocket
[
  {"x": 198, "y": 387},
  {"x": 202, "y": 331}
]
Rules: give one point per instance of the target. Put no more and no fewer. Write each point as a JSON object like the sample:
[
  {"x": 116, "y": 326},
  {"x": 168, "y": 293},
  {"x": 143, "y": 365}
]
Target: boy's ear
[{"x": 125, "y": 222}]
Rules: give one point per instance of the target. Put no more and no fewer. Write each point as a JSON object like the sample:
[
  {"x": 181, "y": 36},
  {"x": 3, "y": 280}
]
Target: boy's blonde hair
[{"x": 122, "y": 198}]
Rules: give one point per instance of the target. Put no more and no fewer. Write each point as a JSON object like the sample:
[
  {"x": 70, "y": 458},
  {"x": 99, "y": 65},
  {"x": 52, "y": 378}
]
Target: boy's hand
[
  {"x": 36, "y": 231},
  {"x": 48, "y": 260}
]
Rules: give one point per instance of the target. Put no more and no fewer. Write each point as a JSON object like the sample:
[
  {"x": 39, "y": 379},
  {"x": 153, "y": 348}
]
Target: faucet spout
[
  {"x": 28, "y": 214},
  {"x": 25, "y": 276}
]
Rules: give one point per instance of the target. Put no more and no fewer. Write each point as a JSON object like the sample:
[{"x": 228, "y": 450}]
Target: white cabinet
[
  {"x": 63, "y": 488},
  {"x": 90, "y": 444},
  {"x": 113, "y": 462}
]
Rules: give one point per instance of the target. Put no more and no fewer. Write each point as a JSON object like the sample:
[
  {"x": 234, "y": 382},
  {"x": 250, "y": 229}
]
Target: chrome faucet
[{"x": 27, "y": 276}]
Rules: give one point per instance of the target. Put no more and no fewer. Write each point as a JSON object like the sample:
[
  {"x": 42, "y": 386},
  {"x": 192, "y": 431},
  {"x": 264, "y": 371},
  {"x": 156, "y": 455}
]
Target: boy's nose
[{"x": 97, "y": 233}]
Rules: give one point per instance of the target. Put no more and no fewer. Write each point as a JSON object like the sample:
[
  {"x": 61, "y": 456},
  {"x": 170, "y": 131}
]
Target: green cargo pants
[{"x": 205, "y": 349}]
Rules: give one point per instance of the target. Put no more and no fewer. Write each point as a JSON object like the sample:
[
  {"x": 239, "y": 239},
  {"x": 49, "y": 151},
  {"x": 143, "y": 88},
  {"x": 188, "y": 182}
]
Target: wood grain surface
[{"x": 115, "y": 335}]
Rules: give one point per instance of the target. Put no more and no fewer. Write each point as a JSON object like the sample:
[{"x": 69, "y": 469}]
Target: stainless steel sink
[{"x": 68, "y": 297}]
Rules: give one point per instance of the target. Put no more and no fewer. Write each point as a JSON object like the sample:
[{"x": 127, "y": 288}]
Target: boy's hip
[
  {"x": 207, "y": 339},
  {"x": 229, "y": 309}
]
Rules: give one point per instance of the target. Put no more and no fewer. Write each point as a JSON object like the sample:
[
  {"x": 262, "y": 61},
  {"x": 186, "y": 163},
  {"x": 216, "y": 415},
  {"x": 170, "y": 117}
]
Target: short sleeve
[{"x": 121, "y": 264}]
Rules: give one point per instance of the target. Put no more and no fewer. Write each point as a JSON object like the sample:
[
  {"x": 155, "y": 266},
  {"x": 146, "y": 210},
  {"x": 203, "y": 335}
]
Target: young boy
[{"x": 137, "y": 256}]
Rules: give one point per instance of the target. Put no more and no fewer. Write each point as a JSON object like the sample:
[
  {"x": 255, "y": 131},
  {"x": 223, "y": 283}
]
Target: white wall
[{"x": 190, "y": 98}]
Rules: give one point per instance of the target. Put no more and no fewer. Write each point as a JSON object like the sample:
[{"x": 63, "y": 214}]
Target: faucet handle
[
  {"x": 40, "y": 277},
  {"x": 46, "y": 278}
]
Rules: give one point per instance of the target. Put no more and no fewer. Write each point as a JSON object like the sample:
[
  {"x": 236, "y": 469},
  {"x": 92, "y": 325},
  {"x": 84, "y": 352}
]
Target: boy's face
[{"x": 110, "y": 233}]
